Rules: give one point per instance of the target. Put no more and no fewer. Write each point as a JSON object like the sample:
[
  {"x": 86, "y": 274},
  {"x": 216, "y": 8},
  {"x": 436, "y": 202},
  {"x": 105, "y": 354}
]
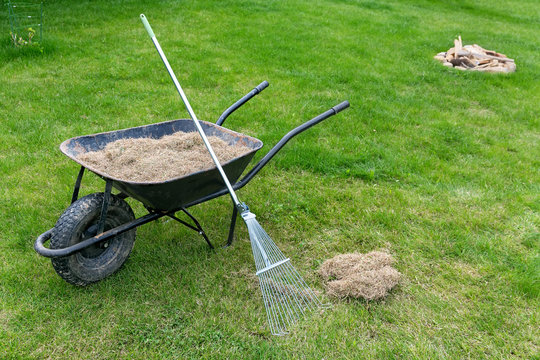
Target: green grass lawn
[{"x": 439, "y": 167}]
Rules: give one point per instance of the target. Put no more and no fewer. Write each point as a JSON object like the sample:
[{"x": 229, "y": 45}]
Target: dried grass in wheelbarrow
[{"x": 157, "y": 160}]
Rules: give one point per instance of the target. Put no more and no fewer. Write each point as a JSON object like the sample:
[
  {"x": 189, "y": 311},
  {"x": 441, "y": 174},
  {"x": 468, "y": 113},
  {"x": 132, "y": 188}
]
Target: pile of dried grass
[
  {"x": 157, "y": 160},
  {"x": 475, "y": 58},
  {"x": 369, "y": 276}
]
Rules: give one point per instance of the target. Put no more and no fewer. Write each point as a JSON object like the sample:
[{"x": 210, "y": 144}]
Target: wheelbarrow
[{"x": 95, "y": 235}]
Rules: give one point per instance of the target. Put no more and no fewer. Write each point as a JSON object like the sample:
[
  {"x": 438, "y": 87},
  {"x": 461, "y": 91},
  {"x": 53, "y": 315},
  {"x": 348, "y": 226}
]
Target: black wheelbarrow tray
[{"x": 96, "y": 233}]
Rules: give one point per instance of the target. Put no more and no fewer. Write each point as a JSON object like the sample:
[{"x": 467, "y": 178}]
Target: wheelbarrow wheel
[{"x": 80, "y": 222}]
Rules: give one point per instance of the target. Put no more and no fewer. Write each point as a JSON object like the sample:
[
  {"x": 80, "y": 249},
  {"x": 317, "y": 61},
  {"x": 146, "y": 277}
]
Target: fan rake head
[{"x": 286, "y": 295}]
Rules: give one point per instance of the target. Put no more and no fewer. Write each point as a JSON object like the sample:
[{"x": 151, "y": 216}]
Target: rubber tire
[{"x": 83, "y": 269}]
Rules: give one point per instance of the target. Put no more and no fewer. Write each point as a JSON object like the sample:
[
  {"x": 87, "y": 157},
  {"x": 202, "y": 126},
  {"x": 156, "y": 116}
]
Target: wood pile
[{"x": 475, "y": 58}]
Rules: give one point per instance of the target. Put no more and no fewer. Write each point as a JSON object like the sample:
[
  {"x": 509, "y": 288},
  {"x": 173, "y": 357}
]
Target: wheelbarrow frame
[{"x": 153, "y": 214}]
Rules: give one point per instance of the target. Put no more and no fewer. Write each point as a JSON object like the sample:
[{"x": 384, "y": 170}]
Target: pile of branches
[{"x": 476, "y": 58}]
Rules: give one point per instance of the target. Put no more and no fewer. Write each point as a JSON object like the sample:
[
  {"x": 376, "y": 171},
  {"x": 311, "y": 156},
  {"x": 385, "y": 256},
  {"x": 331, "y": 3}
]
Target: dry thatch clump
[
  {"x": 157, "y": 160},
  {"x": 369, "y": 276}
]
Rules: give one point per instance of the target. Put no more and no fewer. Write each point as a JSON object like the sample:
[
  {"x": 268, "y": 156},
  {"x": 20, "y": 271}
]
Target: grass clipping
[
  {"x": 158, "y": 160},
  {"x": 369, "y": 276}
]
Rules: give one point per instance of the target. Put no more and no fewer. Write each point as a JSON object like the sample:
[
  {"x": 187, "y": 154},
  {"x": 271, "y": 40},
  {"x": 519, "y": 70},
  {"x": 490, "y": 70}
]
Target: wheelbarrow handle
[
  {"x": 325, "y": 115},
  {"x": 340, "y": 107},
  {"x": 241, "y": 183},
  {"x": 241, "y": 102},
  {"x": 261, "y": 86},
  {"x": 38, "y": 245}
]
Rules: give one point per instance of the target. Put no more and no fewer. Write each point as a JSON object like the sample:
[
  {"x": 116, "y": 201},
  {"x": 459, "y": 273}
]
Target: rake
[{"x": 286, "y": 295}]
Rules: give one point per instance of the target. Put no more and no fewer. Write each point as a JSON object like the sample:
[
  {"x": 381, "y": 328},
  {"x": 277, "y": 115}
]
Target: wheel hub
[{"x": 95, "y": 250}]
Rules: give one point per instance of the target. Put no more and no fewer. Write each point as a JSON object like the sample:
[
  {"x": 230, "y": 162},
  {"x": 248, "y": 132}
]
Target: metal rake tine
[
  {"x": 283, "y": 295},
  {"x": 279, "y": 323},
  {"x": 302, "y": 297},
  {"x": 284, "y": 312},
  {"x": 305, "y": 288},
  {"x": 294, "y": 296},
  {"x": 270, "y": 310},
  {"x": 279, "y": 320}
]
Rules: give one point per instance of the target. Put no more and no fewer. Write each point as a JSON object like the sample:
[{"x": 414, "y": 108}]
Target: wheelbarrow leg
[
  {"x": 105, "y": 206},
  {"x": 197, "y": 226},
  {"x": 231, "y": 229},
  {"x": 77, "y": 186}
]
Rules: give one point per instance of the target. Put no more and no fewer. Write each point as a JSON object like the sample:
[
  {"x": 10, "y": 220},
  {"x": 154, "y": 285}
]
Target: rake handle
[
  {"x": 191, "y": 112},
  {"x": 147, "y": 26}
]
